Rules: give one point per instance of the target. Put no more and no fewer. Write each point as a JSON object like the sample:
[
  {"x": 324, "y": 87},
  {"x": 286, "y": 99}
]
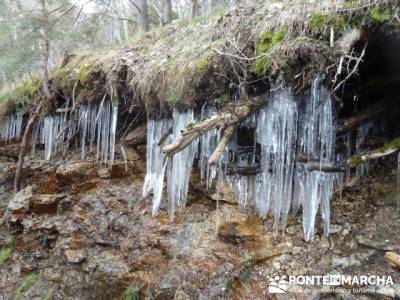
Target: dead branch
[
  {"x": 226, "y": 137},
  {"x": 390, "y": 148},
  {"x": 353, "y": 71},
  {"x": 233, "y": 114},
  {"x": 165, "y": 136},
  {"x": 372, "y": 112}
]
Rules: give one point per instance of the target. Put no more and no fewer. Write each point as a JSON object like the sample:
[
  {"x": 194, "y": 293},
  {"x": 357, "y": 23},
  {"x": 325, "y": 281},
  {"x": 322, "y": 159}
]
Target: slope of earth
[{"x": 82, "y": 231}]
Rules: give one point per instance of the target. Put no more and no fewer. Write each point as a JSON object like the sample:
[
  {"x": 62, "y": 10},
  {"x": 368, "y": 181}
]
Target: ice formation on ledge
[
  {"x": 92, "y": 123},
  {"x": 283, "y": 129},
  {"x": 178, "y": 168},
  {"x": 11, "y": 126},
  {"x": 155, "y": 162}
]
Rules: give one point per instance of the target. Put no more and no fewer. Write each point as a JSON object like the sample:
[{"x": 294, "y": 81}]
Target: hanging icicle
[
  {"x": 11, "y": 127},
  {"x": 91, "y": 122},
  {"x": 281, "y": 132}
]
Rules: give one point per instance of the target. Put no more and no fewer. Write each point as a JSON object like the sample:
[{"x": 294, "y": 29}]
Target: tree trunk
[
  {"x": 24, "y": 145},
  {"x": 46, "y": 54},
  {"x": 143, "y": 17},
  {"x": 195, "y": 8},
  {"x": 167, "y": 12}
]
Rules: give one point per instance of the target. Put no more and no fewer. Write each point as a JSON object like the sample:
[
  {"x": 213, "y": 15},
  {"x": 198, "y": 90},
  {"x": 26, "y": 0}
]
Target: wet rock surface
[{"x": 90, "y": 235}]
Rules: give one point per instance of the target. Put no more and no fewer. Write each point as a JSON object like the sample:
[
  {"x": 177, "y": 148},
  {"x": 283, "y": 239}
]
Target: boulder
[
  {"x": 77, "y": 172},
  {"x": 46, "y": 204},
  {"x": 20, "y": 205},
  {"x": 75, "y": 256}
]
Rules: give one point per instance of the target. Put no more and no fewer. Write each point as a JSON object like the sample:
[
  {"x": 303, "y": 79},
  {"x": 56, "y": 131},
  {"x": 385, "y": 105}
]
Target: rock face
[
  {"x": 46, "y": 204},
  {"x": 94, "y": 243}
]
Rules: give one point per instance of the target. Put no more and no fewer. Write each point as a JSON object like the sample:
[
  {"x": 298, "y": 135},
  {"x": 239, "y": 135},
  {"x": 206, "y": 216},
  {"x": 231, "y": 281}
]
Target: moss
[
  {"x": 319, "y": 22},
  {"x": 230, "y": 284},
  {"x": 131, "y": 293},
  {"x": 266, "y": 42},
  {"x": 29, "y": 88},
  {"x": 390, "y": 145},
  {"x": 203, "y": 63},
  {"x": 83, "y": 73},
  {"x": 380, "y": 16},
  {"x": 173, "y": 97},
  {"x": 5, "y": 254},
  {"x": 26, "y": 282},
  {"x": 356, "y": 161},
  {"x": 7, "y": 249}
]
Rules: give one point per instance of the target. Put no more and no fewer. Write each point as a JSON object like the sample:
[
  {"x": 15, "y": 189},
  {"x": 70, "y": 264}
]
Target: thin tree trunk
[
  {"x": 46, "y": 54},
  {"x": 195, "y": 8},
  {"x": 143, "y": 17},
  {"x": 24, "y": 145},
  {"x": 167, "y": 12}
]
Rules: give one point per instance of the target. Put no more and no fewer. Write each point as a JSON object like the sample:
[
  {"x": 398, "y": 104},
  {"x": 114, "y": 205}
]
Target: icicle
[
  {"x": 154, "y": 157},
  {"x": 281, "y": 184},
  {"x": 124, "y": 157},
  {"x": 316, "y": 140},
  {"x": 276, "y": 133},
  {"x": 181, "y": 163},
  {"x": 48, "y": 136},
  {"x": 113, "y": 130},
  {"x": 11, "y": 127}
]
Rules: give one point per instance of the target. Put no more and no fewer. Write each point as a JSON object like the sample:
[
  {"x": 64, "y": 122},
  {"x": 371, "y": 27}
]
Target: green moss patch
[
  {"x": 381, "y": 15},
  {"x": 131, "y": 293},
  {"x": 266, "y": 42},
  {"x": 7, "y": 250},
  {"x": 395, "y": 143},
  {"x": 320, "y": 22}
]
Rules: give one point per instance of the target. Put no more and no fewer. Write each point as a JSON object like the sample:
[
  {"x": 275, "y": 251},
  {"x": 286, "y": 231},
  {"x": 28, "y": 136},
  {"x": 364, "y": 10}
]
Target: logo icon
[{"x": 277, "y": 285}]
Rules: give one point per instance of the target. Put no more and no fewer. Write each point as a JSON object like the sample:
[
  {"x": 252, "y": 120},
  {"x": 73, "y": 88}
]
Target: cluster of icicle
[
  {"x": 11, "y": 127},
  {"x": 284, "y": 129},
  {"x": 95, "y": 125}
]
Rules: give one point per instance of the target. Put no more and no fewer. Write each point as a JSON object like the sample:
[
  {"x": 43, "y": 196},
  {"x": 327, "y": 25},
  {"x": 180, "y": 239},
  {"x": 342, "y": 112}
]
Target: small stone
[
  {"x": 180, "y": 295},
  {"x": 295, "y": 250},
  {"x": 335, "y": 228},
  {"x": 75, "y": 256}
]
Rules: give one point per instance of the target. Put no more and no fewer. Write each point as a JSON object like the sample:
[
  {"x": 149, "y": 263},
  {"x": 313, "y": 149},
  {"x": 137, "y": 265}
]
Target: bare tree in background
[
  {"x": 143, "y": 16},
  {"x": 195, "y": 9},
  {"x": 167, "y": 11}
]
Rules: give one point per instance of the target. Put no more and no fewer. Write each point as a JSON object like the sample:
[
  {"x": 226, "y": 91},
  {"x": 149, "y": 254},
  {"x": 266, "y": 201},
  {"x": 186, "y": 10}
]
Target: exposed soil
[{"x": 81, "y": 231}]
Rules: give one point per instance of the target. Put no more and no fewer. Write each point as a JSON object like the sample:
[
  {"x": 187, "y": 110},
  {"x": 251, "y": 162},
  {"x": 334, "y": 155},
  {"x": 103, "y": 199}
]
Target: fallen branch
[
  {"x": 393, "y": 258},
  {"x": 226, "y": 137},
  {"x": 392, "y": 147},
  {"x": 233, "y": 114},
  {"x": 165, "y": 136},
  {"x": 374, "y": 111}
]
